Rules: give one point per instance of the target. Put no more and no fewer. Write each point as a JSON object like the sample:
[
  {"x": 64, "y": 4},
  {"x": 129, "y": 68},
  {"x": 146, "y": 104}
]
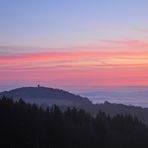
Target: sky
[{"x": 73, "y": 44}]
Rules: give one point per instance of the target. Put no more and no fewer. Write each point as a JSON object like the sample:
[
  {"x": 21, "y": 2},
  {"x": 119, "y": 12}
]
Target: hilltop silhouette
[{"x": 46, "y": 95}]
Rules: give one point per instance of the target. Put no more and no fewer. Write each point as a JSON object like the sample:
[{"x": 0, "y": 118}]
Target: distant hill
[
  {"x": 129, "y": 96},
  {"x": 44, "y": 95},
  {"x": 114, "y": 109},
  {"x": 48, "y": 96}
]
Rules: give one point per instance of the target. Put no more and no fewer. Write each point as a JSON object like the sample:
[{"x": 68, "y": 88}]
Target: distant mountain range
[
  {"x": 48, "y": 96},
  {"x": 128, "y": 96}
]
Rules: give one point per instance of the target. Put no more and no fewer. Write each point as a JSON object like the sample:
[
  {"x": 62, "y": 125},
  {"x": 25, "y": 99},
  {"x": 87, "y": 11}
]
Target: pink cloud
[
  {"x": 143, "y": 30},
  {"x": 103, "y": 63},
  {"x": 83, "y": 69}
]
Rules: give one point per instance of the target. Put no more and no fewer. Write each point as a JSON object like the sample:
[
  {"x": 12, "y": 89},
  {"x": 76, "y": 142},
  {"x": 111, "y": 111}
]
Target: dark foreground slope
[{"x": 27, "y": 126}]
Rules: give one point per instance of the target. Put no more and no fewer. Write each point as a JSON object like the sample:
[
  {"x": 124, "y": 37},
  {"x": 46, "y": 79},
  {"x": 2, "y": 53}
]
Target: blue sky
[{"x": 59, "y": 23}]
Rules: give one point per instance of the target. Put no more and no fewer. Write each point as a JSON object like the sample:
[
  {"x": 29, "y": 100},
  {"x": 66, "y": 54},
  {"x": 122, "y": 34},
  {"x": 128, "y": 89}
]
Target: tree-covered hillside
[{"x": 28, "y": 126}]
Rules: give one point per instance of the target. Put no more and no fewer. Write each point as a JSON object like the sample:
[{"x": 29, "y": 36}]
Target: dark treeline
[{"x": 28, "y": 126}]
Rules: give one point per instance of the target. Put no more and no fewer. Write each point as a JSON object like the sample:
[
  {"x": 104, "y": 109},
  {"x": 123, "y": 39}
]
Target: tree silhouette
[{"x": 24, "y": 125}]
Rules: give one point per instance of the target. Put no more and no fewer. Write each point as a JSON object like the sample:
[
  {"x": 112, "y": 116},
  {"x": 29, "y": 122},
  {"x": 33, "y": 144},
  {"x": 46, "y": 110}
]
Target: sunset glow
[
  {"x": 77, "y": 69},
  {"x": 74, "y": 45}
]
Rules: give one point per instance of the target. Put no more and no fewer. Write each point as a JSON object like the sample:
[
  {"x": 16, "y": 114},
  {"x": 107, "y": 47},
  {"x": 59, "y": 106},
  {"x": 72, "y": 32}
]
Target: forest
[{"x": 24, "y": 125}]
